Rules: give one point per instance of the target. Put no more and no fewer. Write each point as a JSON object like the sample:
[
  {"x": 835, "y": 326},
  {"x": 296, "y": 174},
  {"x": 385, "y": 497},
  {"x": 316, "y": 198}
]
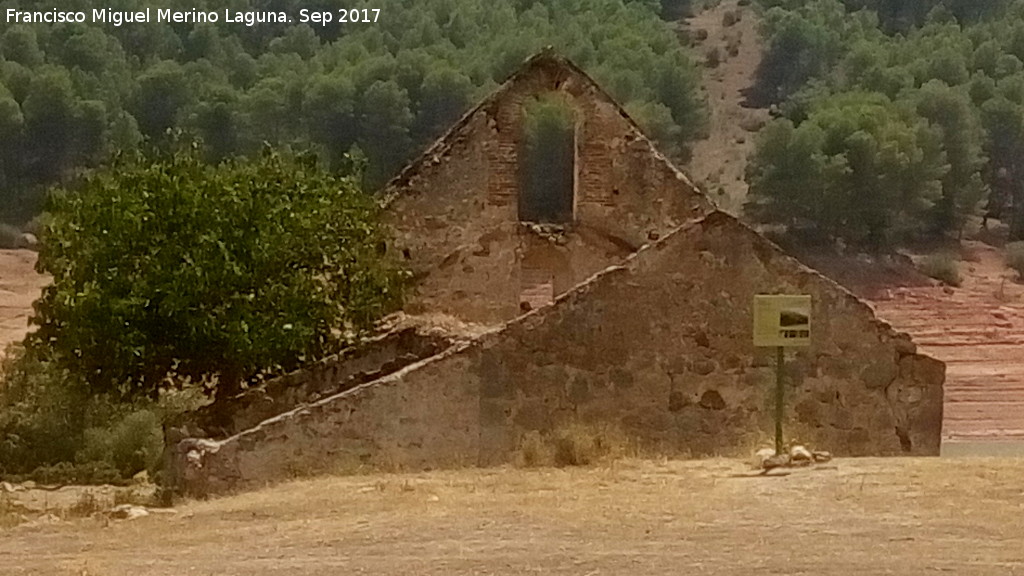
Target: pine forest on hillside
[
  {"x": 72, "y": 94},
  {"x": 899, "y": 120}
]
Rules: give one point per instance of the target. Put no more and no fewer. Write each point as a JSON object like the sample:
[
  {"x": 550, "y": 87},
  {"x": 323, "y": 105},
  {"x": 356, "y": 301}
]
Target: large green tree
[
  {"x": 860, "y": 168},
  {"x": 170, "y": 266},
  {"x": 955, "y": 66},
  {"x": 963, "y": 189}
]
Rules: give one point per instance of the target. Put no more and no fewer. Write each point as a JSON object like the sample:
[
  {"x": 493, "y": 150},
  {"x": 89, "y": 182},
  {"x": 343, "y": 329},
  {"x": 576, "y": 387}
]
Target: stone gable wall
[
  {"x": 659, "y": 347},
  {"x": 454, "y": 213}
]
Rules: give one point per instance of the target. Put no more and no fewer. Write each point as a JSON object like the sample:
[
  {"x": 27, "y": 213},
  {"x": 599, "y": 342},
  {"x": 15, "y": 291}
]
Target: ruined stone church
[{"x": 630, "y": 305}]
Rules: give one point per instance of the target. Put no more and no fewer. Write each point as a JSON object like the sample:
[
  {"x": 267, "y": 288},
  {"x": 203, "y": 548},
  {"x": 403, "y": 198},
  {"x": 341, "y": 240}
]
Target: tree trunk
[
  {"x": 1015, "y": 211},
  {"x": 229, "y": 385}
]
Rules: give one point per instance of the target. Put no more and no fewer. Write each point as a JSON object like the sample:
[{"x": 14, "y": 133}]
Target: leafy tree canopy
[
  {"x": 171, "y": 266},
  {"x": 860, "y": 168},
  {"x": 954, "y": 72}
]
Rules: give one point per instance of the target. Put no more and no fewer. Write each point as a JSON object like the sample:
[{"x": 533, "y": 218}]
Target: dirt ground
[
  {"x": 865, "y": 516},
  {"x": 719, "y": 162},
  {"x": 977, "y": 329},
  {"x": 20, "y": 285}
]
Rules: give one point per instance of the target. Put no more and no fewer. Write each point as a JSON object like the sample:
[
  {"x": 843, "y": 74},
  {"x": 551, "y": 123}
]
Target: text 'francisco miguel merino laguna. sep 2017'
[{"x": 247, "y": 18}]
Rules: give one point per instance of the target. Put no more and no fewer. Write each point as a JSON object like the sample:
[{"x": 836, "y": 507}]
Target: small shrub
[
  {"x": 943, "y": 267},
  {"x": 1015, "y": 258},
  {"x": 11, "y": 514},
  {"x": 574, "y": 444},
  {"x": 713, "y": 58},
  {"x": 54, "y": 432},
  {"x": 42, "y": 413},
  {"x": 129, "y": 446},
  {"x": 534, "y": 451},
  {"x": 700, "y": 35},
  {"x": 730, "y": 18},
  {"x": 742, "y": 3},
  {"x": 65, "y": 473}
]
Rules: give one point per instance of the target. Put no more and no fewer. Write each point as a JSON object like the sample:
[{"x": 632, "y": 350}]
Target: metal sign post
[
  {"x": 781, "y": 322},
  {"x": 780, "y": 396}
]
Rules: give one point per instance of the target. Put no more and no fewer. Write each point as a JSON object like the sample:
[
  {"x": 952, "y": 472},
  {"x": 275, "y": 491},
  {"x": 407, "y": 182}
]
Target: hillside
[
  {"x": 720, "y": 160},
  {"x": 978, "y": 330},
  {"x": 20, "y": 285}
]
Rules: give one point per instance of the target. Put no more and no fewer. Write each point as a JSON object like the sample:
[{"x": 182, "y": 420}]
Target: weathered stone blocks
[{"x": 473, "y": 402}]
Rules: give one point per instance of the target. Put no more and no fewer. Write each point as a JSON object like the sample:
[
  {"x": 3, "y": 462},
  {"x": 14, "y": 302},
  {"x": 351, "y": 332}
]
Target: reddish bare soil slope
[
  {"x": 20, "y": 285},
  {"x": 978, "y": 330}
]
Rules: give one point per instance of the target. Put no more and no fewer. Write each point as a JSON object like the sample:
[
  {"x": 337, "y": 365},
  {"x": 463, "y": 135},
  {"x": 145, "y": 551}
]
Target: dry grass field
[{"x": 866, "y": 516}]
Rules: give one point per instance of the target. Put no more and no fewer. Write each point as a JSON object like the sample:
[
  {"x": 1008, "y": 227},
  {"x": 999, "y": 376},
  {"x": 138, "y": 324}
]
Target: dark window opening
[{"x": 547, "y": 162}]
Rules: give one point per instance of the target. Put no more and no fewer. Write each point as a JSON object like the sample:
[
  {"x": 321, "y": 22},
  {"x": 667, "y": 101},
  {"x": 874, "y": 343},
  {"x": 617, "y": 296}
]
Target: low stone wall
[
  {"x": 659, "y": 347},
  {"x": 364, "y": 363},
  {"x": 417, "y": 418}
]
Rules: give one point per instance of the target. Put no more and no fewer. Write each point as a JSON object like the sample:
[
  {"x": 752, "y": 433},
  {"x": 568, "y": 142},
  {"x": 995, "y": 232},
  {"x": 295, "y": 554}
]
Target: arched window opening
[{"x": 547, "y": 161}]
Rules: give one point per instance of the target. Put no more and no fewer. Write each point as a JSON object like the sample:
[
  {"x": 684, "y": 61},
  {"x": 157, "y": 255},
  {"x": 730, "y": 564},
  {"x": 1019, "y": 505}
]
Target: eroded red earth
[{"x": 978, "y": 331}]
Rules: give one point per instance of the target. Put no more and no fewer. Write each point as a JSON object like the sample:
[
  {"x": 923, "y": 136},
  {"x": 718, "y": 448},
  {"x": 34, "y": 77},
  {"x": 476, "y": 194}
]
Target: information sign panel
[{"x": 782, "y": 320}]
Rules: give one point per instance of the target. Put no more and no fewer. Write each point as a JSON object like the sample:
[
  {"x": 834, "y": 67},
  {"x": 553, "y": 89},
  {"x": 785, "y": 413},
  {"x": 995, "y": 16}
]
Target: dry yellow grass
[{"x": 870, "y": 516}]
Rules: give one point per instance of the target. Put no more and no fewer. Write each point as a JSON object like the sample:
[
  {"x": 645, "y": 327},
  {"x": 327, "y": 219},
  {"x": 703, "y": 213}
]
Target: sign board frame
[{"x": 782, "y": 320}]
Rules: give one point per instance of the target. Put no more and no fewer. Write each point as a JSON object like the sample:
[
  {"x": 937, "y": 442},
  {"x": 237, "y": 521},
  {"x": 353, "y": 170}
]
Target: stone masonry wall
[
  {"x": 366, "y": 362},
  {"x": 659, "y": 347},
  {"x": 454, "y": 212}
]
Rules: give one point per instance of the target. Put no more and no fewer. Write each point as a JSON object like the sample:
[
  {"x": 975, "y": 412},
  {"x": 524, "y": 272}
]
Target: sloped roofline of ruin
[
  {"x": 546, "y": 58},
  {"x": 714, "y": 219}
]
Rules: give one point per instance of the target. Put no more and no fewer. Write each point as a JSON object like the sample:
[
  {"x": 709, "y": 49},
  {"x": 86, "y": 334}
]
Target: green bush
[
  {"x": 128, "y": 446},
  {"x": 232, "y": 270},
  {"x": 1015, "y": 258},
  {"x": 53, "y": 432},
  {"x": 42, "y": 414},
  {"x": 63, "y": 473},
  {"x": 943, "y": 267},
  {"x": 730, "y": 18}
]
